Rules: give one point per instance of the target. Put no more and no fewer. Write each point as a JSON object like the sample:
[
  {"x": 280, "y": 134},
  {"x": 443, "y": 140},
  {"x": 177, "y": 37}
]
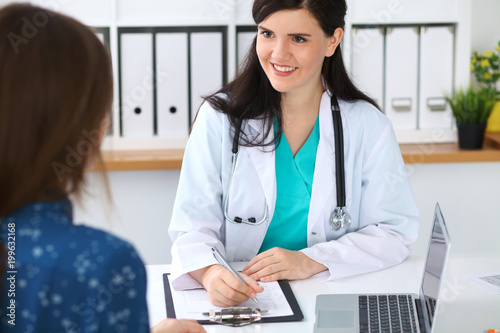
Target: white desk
[{"x": 468, "y": 307}]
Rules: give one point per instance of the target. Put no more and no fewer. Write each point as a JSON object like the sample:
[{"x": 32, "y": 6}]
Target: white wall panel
[
  {"x": 402, "y": 11},
  {"x": 188, "y": 10}
]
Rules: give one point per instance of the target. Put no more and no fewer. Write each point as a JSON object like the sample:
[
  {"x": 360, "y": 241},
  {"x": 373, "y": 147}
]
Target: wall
[
  {"x": 485, "y": 29},
  {"x": 485, "y": 25},
  {"x": 141, "y": 210},
  {"x": 468, "y": 194}
]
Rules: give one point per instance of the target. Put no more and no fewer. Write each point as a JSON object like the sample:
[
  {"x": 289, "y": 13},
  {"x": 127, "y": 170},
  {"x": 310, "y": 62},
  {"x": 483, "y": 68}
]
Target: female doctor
[{"x": 268, "y": 197}]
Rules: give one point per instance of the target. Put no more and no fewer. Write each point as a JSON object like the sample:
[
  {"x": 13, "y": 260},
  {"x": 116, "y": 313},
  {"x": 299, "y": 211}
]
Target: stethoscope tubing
[
  {"x": 339, "y": 152},
  {"x": 238, "y": 220}
]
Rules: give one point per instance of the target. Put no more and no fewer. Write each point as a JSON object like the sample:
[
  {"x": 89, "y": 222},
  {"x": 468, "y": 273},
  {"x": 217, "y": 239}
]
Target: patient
[{"x": 55, "y": 90}]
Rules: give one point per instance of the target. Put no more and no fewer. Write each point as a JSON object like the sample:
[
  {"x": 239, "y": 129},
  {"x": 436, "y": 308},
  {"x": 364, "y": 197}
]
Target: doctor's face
[{"x": 291, "y": 47}]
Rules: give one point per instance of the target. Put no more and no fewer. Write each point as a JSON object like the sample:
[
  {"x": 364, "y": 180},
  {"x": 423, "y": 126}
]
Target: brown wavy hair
[{"x": 56, "y": 88}]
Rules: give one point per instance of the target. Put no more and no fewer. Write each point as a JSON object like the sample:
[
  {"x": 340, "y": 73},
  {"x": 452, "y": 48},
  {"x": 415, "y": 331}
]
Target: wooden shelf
[
  {"x": 447, "y": 153},
  {"x": 143, "y": 159},
  {"x": 412, "y": 154}
]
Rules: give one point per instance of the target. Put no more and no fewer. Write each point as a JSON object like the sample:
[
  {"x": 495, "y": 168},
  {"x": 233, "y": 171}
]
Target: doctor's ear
[{"x": 334, "y": 41}]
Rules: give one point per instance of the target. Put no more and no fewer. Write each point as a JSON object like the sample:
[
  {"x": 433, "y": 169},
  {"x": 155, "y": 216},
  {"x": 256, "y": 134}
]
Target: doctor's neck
[{"x": 302, "y": 102}]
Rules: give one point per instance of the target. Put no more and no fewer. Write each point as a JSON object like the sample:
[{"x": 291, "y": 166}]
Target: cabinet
[
  {"x": 178, "y": 52},
  {"x": 408, "y": 70},
  {"x": 164, "y": 74}
]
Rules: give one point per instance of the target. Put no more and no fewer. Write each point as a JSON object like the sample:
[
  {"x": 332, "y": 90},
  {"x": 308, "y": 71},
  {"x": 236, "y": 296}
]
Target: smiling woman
[
  {"x": 258, "y": 179},
  {"x": 292, "y": 62},
  {"x": 300, "y": 53}
]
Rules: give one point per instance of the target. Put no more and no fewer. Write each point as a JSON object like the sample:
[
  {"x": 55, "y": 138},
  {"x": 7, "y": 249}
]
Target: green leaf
[{"x": 472, "y": 106}]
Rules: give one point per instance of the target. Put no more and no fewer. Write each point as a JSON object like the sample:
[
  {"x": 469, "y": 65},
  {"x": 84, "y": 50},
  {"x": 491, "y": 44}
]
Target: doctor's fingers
[
  {"x": 250, "y": 287},
  {"x": 260, "y": 261},
  {"x": 218, "y": 298},
  {"x": 222, "y": 294},
  {"x": 265, "y": 259},
  {"x": 252, "y": 283},
  {"x": 272, "y": 272},
  {"x": 283, "y": 264}
]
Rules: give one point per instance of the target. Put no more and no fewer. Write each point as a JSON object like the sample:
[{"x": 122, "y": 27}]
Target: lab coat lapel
[
  {"x": 262, "y": 159},
  {"x": 323, "y": 191}
]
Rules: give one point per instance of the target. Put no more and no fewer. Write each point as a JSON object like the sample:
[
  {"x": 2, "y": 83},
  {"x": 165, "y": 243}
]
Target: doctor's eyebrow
[{"x": 262, "y": 28}]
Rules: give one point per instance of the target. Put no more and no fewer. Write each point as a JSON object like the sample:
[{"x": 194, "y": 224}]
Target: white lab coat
[{"x": 379, "y": 198}]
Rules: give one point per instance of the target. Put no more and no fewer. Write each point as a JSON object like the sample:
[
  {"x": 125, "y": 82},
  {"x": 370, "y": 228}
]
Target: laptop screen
[{"x": 439, "y": 245}]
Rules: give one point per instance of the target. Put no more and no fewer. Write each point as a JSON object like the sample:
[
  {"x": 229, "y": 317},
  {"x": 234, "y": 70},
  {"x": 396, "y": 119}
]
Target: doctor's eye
[
  {"x": 299, "y": 39},
  {"x": 267, "y": 34}
]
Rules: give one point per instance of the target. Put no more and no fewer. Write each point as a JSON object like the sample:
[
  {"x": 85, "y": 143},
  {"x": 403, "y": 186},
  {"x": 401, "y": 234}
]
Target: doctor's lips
[{"x": 283, "y": 70}]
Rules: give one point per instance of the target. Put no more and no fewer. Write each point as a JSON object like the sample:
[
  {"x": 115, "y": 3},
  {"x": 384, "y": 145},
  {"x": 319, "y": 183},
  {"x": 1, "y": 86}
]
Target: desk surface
[{"x": 468, "y": 307}]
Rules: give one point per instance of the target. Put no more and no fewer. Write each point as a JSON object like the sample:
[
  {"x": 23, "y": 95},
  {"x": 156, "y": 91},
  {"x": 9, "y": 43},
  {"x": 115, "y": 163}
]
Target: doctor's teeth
[{"x": 283, "y": 69}]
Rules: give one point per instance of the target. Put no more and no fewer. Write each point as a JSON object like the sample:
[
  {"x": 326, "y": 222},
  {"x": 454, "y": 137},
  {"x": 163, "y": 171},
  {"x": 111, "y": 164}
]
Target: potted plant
[
  {"x": 471, "y": 109},
  {"x": 486, "y": 70}
]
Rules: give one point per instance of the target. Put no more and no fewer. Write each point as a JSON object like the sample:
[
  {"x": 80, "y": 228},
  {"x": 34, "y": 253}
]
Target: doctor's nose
[{"x": 281, "y": 51}]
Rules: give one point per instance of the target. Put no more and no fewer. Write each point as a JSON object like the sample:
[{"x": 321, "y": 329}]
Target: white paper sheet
[
  {"x": 489, "y": 280},
  {"x": 192, "y": 303}
]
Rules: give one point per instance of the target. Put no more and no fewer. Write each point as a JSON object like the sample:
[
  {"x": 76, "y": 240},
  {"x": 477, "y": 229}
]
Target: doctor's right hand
[{"x": 223, "y": 288}]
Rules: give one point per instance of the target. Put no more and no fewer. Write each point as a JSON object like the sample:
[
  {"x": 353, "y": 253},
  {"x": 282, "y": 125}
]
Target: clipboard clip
[{"x": 235, "y": 316}]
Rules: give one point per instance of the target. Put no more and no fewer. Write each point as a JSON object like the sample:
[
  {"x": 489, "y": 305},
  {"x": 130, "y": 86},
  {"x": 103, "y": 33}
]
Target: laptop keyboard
[
  {"x": 386, "y": 314},
  {"x": 431, "y": 306}
]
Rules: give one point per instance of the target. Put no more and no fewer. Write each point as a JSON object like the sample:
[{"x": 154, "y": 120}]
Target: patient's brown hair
[{"x": 55, "y": 89}]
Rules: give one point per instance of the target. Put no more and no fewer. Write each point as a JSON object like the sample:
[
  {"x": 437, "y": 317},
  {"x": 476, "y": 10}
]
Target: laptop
[{"x": 344, "y": 313}]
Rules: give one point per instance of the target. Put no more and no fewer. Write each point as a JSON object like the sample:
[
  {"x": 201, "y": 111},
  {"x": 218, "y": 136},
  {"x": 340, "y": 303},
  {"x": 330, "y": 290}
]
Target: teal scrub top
[{"x": 294, "y": 178}]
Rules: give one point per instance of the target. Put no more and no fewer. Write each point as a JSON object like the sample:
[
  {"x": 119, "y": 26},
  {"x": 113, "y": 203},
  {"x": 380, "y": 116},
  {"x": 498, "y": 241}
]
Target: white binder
[
  {"x": 245, "y": 40},
  {"x": 206, "y": 67},
  {"x": 172, "y": 84},
  {"x": 368, "y": 62},
  {"x": 137, "y": 84},
  {"x": 436, "y": 76},
  {"x": 401, "y": 77}
]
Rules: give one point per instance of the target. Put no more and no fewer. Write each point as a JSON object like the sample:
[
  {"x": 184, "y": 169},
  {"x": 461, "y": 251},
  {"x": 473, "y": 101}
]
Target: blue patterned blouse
[{"x": 68, "y": 278}]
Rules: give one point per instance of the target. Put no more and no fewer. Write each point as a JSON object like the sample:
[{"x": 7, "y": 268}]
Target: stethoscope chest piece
[{"x": 339, "y": 218}]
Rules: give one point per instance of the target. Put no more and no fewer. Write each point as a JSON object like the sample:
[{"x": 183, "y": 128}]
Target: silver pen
[{"x": 220, "y": 258}]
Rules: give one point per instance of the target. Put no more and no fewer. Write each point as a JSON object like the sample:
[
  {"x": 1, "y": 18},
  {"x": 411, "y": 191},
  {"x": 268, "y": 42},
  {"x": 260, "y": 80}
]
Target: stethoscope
[{"x": 339, "y": 218}]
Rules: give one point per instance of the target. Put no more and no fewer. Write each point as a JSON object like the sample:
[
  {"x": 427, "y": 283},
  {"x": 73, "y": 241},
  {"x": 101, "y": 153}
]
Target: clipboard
[{"x": 285, "y": 287}]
